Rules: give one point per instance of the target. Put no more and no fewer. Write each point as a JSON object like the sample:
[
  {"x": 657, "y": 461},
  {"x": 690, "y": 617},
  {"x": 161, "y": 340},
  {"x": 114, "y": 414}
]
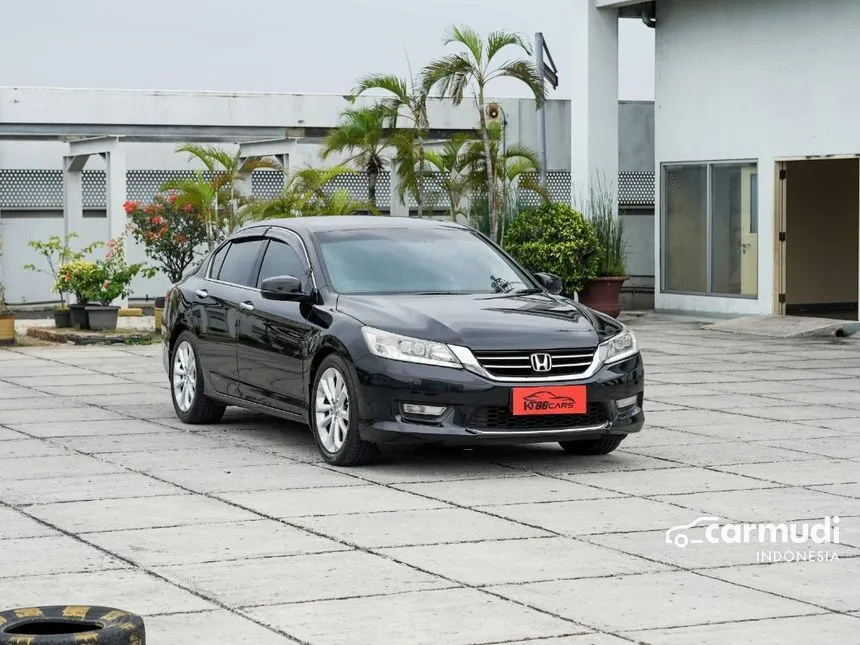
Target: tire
[
  {"x": 70, "y": 625},
  {"x": 197, "y": 408},
  {"x": 602, "y": 446},
  {"x": 339, "y": 441}
]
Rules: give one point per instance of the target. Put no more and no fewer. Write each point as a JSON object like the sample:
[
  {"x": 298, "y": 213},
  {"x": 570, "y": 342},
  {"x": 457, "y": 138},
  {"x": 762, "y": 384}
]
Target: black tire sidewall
[
  {"x": 352, "y": 432},
  {"x": 199, "y": 400},
  {"x": 119, "y": 627}
]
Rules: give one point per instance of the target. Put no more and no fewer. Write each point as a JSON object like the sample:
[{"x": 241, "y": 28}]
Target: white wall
[
  {"x": 754, "y": 79},
  {"x": 100, "y": 107}
]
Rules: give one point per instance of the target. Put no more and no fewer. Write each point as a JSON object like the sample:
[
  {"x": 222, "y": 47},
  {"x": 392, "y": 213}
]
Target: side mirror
[
  {"x": 550, "y": 282},
  {"x": 282, "y": 287}
]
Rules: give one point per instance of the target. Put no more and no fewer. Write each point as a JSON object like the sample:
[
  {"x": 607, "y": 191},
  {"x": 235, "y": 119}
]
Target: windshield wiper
[
  {"x": 439, "y": 293},
  {"x": 526, "y": 292}
]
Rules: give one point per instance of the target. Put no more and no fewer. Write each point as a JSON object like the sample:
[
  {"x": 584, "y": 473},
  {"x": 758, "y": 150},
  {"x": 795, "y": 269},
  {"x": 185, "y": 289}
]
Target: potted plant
[
  {"x": 56, "y": 252},
  {"x": 555, "y": 238},
  {"x": 78, "y": 277},
  {"x": 111, "y": 280},
  {"x": 603, "y": 291}
]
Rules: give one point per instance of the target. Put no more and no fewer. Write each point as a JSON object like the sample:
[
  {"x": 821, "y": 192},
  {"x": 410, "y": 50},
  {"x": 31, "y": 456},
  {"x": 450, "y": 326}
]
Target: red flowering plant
[{"x": 170, "y": 230}]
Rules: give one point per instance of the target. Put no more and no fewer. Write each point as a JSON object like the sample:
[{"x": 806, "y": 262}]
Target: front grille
[
  {"x": 518, "y": 363},
  {"x": 500, "y": 418}
]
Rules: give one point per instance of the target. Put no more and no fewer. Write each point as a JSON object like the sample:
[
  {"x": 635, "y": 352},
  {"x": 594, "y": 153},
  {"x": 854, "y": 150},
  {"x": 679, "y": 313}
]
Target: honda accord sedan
[{"x": 381, "y": 330}]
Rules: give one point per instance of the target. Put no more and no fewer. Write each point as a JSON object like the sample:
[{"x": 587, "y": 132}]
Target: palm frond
[
  {"x": 203, "y": 153},
  {"x": 468, "y": 37},
  {"x": 498, "y": 40},
  {"x": 362, "y": 132},
  {"x": 451, "y": 75},
  {"x": 524, "y": 71}
]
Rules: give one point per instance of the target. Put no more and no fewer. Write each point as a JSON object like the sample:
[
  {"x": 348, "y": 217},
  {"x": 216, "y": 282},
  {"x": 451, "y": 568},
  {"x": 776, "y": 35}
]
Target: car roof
[{"x": 324, "y": 223}]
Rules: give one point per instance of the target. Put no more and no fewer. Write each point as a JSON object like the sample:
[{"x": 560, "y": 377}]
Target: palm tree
[
  {"x": 473, "y": 68},
  {"x": 514, "y": 168},
  {"x": 449, "y": 161},
  {"x": 362, "y": 132},
  {"x": 304, "y": 195},
  {"x": 227, "y": 170},
  {"x": 406, "y": 100}
]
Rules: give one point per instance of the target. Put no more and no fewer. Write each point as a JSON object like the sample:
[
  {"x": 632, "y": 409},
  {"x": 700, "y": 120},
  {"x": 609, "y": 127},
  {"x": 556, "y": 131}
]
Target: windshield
[{"x": 415, "y": 261}]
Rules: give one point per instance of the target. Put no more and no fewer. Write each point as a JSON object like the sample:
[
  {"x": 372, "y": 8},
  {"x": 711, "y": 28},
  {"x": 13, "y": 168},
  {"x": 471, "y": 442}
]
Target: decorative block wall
[{"x": 42, "y": 189}]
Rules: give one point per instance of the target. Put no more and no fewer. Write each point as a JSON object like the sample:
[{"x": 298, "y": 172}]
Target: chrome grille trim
[{"x": 566, "y": 362}]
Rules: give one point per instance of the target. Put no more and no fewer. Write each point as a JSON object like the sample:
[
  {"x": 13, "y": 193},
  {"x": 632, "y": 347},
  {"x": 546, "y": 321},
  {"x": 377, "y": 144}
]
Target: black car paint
[{"x": 264, "y": 358}]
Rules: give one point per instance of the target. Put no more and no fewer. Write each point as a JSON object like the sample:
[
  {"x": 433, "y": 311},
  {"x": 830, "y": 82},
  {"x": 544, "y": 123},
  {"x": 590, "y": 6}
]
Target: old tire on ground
[
  {"x": 71, "y": 625},
  {"x": 186, "y": 384},
  {"x": 602, "y": 446},
  {"x": 334, "y": 417}
]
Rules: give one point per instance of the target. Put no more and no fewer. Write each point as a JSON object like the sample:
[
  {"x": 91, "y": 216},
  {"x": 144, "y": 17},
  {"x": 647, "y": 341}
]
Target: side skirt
[{"x": 226, "y": 399}]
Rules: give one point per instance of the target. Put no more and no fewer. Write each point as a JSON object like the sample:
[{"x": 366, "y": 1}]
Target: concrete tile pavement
[{"x": 238, "y": 531}]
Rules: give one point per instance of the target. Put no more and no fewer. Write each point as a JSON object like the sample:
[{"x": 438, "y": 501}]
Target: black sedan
[{"x": 377, "y": 330}]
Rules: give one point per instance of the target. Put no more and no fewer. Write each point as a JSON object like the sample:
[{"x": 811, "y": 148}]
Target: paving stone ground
[{"x": 238, "y": 533}]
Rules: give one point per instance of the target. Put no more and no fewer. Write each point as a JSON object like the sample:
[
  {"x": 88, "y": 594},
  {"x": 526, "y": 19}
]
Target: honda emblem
[{"x": 541, "y": 362}]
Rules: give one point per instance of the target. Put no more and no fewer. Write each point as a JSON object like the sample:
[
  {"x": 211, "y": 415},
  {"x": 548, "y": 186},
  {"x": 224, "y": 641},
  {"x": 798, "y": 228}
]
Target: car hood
[{"x": 481, "y": 322}]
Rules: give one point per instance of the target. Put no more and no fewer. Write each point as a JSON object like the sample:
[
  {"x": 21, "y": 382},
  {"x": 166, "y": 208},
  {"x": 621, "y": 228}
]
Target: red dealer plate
[{"x": 565, "y": 399}]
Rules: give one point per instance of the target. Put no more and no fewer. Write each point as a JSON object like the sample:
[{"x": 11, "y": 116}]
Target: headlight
[
  {"x": 620, "y": 347},
  {"x": 412, "y": 350}
]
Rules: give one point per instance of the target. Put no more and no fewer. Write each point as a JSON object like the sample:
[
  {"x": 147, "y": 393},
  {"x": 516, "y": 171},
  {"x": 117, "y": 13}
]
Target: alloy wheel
[
  {"x": 332, "y": 410},
  {"x": 184, "y": 376}
]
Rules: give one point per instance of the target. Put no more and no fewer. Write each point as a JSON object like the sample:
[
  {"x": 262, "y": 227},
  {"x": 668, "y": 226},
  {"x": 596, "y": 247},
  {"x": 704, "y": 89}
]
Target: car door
[
  {"x": 274, "y": 335},
  {"x": 216, "y": 307}
]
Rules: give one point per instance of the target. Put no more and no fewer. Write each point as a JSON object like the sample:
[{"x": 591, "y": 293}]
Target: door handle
[
  {"x": 247, "y": 306},
  {"x": 202, "y": 293}
]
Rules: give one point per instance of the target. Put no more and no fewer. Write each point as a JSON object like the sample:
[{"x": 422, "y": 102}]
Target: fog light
[
  {"x": 626, "y": 402},
  {"x": 424, "y": 410}
]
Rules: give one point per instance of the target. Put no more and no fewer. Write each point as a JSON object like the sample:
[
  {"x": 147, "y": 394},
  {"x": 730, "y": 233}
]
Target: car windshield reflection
[{"x": 426, "y": 262}]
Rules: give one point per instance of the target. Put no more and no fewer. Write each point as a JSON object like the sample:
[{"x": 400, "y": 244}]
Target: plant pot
[
  {"x": 159, "y": 312},
  {"x": 604, "y": 295},
  {"x": 79, "y": 317},
  {"x": 62, "y": 318},
  {"x": 101, "y": 317},
  {"x": 7, "y": 328}
]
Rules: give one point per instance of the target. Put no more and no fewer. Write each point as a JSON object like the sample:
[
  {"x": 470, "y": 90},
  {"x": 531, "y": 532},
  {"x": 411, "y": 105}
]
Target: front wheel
[
  {"x": 602, "y": 446},
  {"x": 186, "y": 384},
  {"x": 334, "y": 416}
]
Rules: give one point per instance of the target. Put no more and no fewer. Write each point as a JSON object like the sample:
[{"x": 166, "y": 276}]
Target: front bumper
[{"x": 478, "y": 410}]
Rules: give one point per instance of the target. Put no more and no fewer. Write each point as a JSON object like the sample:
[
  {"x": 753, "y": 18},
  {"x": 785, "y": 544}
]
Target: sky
[{"x": 305, "y": 46}]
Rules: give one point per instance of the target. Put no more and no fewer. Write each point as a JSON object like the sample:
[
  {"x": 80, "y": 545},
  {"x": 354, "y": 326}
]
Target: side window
[
  {"x": 281, "y": 259},
  {"x": 239, "y": 262},
  {"x": 218, "y": 260}
]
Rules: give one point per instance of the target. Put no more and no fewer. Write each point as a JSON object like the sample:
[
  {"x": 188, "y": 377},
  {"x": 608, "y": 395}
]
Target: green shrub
[{"x": 556, "y": 239}]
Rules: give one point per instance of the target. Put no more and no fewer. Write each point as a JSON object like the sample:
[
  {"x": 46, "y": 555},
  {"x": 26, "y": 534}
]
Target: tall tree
[
  {"x": 363, "y": 134},
  {"x": 405, "y": 100},
  {"x": 473, "y": 69}
]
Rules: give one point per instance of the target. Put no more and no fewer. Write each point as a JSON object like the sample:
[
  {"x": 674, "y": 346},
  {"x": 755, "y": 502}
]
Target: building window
[{"x": 710, "y": 229}]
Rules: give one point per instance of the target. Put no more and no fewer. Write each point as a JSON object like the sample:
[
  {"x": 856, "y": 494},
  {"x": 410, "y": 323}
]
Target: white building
[
  {"x": 54, "y": 177},
  {"x": 756, "y": 142}
]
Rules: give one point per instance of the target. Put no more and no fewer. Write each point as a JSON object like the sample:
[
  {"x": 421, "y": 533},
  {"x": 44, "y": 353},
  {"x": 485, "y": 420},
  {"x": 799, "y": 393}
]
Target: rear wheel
[
  {"x": 334, "y": 416},
  {"x": 602, "y": 446},
  {"x": 186, "y": 384}
]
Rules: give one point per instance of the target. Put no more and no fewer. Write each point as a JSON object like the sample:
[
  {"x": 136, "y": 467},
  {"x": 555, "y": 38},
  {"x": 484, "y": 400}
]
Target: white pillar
[
  {"x": 115, "y": 173},
  {"x": 73, "y": 199},
  {"x": 396, "y": 207},
  {"x": 594, "y": 108}
]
